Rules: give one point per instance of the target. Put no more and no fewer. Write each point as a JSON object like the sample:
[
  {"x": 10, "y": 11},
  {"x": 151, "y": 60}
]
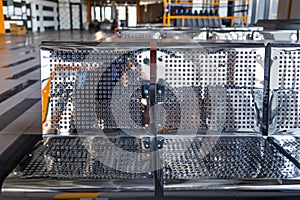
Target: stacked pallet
[{"x": 16, "y": 29}]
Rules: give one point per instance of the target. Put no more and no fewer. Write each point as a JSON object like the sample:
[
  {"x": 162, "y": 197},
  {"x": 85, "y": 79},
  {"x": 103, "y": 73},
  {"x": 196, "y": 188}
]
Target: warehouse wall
[
  {"x": 283, "y": 9},
  {"x": 40, "y": 15},
  {"x": 295, "y": 14},
  {"x": 16, "y": 11},
  {"x": 285, "y": 13},
  {"x": 154, "y": 11},
  {"x": 44, "y": 15}
]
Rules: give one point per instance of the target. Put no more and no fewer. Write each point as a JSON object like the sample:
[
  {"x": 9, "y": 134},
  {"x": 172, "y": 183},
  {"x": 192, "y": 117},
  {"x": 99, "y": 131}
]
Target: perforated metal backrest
[
  {"x": 199, "y": 88},
  {"x": 284, "y": 89},
  {"x": 90, "y": 88},
  {"x": 225, "y": 82}
]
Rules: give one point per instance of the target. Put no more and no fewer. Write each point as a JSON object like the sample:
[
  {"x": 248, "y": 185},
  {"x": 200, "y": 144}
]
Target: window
[
  {"x": 132, "y": 16},
  {"x": 273, "y": 9},
  {"x": 107, "y": 13}
]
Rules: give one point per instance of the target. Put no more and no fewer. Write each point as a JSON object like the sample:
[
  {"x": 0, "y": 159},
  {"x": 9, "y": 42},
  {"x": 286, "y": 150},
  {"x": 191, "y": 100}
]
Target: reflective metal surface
[
  {"x": 217, "y": 87},
  {"x": 237, "y": 163},
  {"x": 224, "y": 158},
  {"x": 229, "y": 35},
  {"x": 284, "y": 89},
  {"x": 163, "y": 34},
  {"x": 278, "y": 35},
  {"x": 168, "y": 116},
  {"x": 236, "y": 34},
  {"x": 82, "y": 89},
  {"x": 290, "y": 144},
  {"x": 226, "y": 34},
  {"x": 62, "y": 164},
  {"x": 200, "y": 163},
  {"x": 199, "y": 87}
]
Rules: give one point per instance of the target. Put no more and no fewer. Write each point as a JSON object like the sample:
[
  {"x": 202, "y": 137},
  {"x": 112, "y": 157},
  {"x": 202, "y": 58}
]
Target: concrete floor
[{"x": 20, "y": 105}]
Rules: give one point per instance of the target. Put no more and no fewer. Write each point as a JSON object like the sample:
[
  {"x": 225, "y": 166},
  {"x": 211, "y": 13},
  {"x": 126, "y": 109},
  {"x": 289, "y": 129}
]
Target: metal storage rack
[
  {"x": 208, "y": 13},
  {"x": 163, "y": 117}
]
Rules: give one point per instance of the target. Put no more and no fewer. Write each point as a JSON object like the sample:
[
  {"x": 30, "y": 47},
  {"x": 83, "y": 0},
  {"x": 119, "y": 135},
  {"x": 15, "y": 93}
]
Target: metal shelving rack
[{"x": 214, "y": 5}]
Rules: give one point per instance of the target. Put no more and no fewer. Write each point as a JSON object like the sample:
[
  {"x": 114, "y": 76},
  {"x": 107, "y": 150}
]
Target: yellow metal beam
[
  {"x": 2, "y": 26},
  {"x": 165, "y": 15},
  {"x": 78, "y": 196},
  {"x": 169, "y": 14},
  {"x": 247, "y": 15},
  {"x": 206, "y": 17}
]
